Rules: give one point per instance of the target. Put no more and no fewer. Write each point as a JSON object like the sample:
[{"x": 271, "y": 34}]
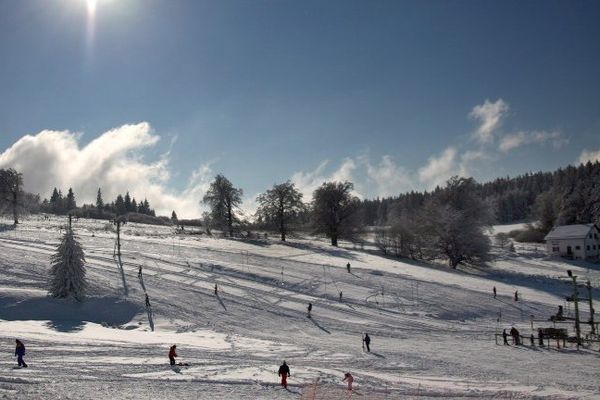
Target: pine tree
[
  {"x": 99, "y": 201},
  {"x": 67, "y": 273},
  {"x": 174, "y": 217},
  {"x": 127, "y": 201},
  {"x": 70, "y": 200}
]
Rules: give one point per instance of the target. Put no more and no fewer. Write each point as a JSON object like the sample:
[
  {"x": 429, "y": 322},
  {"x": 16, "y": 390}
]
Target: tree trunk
[
  {"x": 14, "y": 205},
  {"x": 334, "y": 240}
]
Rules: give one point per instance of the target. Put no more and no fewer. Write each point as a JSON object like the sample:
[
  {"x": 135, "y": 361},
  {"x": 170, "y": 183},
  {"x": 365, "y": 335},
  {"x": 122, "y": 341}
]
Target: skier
[
  {"x": 348, "y": 267},
  {"x": 19, "y": 353},
  {"x": 367, "y": 341},
  {"x": 309, "y": 309},
  {"x": 515, "y": 335},
  {"x": 505, "y": 337},
  {"x": 348, "y": 377},
  {"x": 216, "y": 290},
  {"x": 494, "y": 291},
  {"x": 172, "y": 354},
  {"x": 148, "y": 306},
  {"x": 284, "y": 373},
  {"x": 140, "y": 273},
  {"x": 531, "y": 338},
  {"x": 516, "y": 295},
  {"x": 341, "y": 295},
  {"x": 540, "y": 338}
]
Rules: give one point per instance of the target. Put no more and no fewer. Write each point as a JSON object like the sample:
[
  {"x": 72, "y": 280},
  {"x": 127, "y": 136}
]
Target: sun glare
[{"x": 91, "y": 6}]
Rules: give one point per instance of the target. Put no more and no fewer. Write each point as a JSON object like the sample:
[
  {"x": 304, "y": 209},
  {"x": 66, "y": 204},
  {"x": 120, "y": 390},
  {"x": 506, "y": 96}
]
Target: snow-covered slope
[{"x": 432, "y": 328}]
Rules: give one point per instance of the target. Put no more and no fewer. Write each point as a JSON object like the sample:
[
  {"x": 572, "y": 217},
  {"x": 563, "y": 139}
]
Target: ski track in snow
[{"x": 432, "y": 330}]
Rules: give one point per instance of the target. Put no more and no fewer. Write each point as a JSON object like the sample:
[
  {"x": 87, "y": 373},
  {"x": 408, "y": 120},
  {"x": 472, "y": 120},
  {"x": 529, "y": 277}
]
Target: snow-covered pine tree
[{"x": 67, "y": 273}]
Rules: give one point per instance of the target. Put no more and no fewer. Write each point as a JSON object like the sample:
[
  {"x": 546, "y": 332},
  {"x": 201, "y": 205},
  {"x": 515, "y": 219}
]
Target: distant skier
[
  {"x": 367, "y": 342},
  {"x": 216, "y": 290},
  {"x": 341, "y": 295},
  {"x": 494, "y": 291},
  {"x": 19, "y": 353},
  {"x": 505, "y": 337},
  {"x": 140, "y": 272},
  {"x": 348, "y": 377},
  {"x": 516, "y": 295},
  {"x": 540, "y": 338},
  {"x": 348, "y": 267},
  {"x": 172, "y": 354},
  {"x": 148, "y": 306},
  {"x": 309, "y": 310},
  {"x": 284, "y": 373}
]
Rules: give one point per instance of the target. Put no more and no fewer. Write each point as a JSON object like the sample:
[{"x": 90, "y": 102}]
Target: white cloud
[
  {"x": 112, "y": 161},
  {"x": 518, "y": 139},
  {"x": 490, "y": 117},
  {"x": 440, "y": 168},
  {"x": 389, "y": 178},
  {"x": 587, "y": 155}
]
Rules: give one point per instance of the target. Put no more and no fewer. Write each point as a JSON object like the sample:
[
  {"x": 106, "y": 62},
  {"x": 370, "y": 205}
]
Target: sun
[{"x": 91, "y": 6}]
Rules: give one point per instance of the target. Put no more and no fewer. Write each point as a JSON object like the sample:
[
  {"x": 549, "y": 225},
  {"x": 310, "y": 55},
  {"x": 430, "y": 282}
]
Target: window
[
  {"x": 594, "y": 246},
  {"x": 588, "y": 247},
  {"x": 590, "y": 235},
  {"x": 595, "y": 236},
  {"x": 577, "y": 247},
  {"x": 555, "y": 249}
]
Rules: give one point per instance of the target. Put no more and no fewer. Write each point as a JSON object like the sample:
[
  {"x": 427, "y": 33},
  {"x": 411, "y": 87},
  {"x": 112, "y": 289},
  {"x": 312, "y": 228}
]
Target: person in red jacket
[{"x": 172, "y": 354}]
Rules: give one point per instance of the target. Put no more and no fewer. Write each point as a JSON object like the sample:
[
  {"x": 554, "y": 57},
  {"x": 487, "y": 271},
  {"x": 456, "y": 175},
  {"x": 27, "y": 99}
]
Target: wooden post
[
  {"x": 589, "y": 288},
  {"x": 576, "y": 302}
]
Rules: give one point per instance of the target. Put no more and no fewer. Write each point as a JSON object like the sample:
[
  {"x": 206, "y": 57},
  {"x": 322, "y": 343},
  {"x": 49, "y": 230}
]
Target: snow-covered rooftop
[{"x": 578, "y": 231}]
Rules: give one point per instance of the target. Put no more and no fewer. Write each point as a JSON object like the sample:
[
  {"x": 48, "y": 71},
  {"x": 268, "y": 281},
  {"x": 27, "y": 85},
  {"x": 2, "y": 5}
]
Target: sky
[{"x": 157, "y": 97}]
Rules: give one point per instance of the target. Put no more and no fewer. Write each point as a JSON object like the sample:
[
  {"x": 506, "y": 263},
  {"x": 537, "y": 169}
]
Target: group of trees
[
  {"x": 281, "y": 207},
  {"x": 62, "y": 205},
  {"x": 451, "y": 224}
]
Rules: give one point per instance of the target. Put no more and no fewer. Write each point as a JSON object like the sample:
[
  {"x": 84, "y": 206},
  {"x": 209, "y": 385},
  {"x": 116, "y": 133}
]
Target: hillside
[{"x": 432, "y": 328}]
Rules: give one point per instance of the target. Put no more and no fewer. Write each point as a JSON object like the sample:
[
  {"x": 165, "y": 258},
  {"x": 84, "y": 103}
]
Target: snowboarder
[
  {"x": 348, "y": 267},
  {"x": 367, "y": 341},
  {"x": 284, "y": 373},
  {"x": 172, "y": 354},
  {"x": 515, "y": 335},
  {"x": 348, "y": 377},
  {"x": 505, "y": 337},
  {"x": 516, "y": 295},
  {"x": 494, "y": 291},
  {"x": 309, "y": 309},
  {"x": 148, "y": 306},
  {"x": 19, "y": 353}
]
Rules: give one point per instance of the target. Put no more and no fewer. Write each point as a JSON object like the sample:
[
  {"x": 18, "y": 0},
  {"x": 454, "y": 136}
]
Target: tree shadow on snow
[
  {"x": 333, "y": 251},
  {"x": 68, "y": 315},
  {"x": 319, "y": 326},
  {"x": 221, "y": 301}
]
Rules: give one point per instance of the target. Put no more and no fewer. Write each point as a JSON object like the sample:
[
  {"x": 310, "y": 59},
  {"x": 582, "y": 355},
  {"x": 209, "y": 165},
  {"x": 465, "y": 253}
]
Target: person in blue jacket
[{"x": 20, "y": 352}]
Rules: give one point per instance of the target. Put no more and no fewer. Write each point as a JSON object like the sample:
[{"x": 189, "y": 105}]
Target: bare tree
[
  {"x": 279, "y": 206},
  {"x": 453, "y": 224},
  {"x": 11, "y": 183},
  {"x": 333, "y": 209},
  {"x": 223, "y": 200}
]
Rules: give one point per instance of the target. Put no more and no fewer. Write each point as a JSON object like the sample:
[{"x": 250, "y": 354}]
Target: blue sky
[{"x": 395, "y": 95}]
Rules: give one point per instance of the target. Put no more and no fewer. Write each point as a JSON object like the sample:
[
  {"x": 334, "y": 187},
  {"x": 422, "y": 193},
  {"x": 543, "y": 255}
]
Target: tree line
[
  {"x": 448, "y": 223},
  {"x": 62, "y": 205}
]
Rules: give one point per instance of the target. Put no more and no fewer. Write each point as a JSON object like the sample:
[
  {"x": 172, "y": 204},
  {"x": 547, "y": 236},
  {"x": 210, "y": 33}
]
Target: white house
[{"x": 575, "y": 241}]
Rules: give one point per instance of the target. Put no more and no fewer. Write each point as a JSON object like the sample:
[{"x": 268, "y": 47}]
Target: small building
[{"x": 580, "y": 242}]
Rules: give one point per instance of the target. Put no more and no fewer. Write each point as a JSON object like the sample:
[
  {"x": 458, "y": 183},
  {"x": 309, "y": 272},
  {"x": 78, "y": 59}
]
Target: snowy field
[{"x": 432, "y": 328}]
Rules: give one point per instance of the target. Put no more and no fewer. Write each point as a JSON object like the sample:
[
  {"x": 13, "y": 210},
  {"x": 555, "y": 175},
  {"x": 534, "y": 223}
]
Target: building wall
[{"x": 589, "y": 247}]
